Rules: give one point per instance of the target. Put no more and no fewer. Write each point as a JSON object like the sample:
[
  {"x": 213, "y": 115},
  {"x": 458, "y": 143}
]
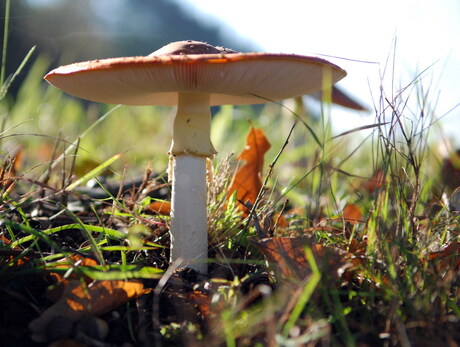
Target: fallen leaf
[
  {"x": 247, "y": 181},
  {"x": 46, "y": 151},
  {"x": 201, "y": 301},
  {"x": 5, "y": 241},
  {"x": 280, "y": 220},
  {"x": 9, "y": 170},
  {"x": 352, "y": 213},
  {"x": 160, "y": 207},
  {"x": 375, "y": 182},
  {"x": 55, "y": 292},
  {"x": 66, "y": 263},
  {"x": 356, "y": 247},
  {"x": 288, "y": 256},
  {"x": 448, "y": 256},
  {"x": 450, "y": 172},
  {"x": 10, "y": 256},
  {"x": 81, "y": 299}
]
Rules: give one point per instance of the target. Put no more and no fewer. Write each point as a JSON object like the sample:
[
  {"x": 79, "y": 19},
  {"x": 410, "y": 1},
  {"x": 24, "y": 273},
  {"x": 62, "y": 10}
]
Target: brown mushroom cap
[{"x": 230, "y": 78}]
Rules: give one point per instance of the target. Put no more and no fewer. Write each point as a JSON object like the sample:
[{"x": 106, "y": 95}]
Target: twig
[{"x": 269, "y": 173}]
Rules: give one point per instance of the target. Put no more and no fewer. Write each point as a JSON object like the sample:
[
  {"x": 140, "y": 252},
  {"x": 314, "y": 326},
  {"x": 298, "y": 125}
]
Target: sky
[{"x": 359, "y": 36}]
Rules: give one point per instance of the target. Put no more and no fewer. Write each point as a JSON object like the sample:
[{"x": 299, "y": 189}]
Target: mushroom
[{"x": 194, "y": 76}]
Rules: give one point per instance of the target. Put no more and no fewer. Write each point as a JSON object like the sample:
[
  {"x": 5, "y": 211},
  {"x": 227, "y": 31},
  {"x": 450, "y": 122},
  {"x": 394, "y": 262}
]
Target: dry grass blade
[{"x": 361, "y": 128}]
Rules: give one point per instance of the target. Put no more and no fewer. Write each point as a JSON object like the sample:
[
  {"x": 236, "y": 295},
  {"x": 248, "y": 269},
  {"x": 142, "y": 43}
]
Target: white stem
[
  {"x": 192, "y": 126},
  {"x": 189, "y": 221},
  {"x": 190, "y": 148}
]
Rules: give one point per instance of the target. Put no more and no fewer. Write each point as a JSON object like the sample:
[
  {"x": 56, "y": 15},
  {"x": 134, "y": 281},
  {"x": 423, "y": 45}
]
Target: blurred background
[
  {"x": 382, "y": 45},
  {"x": 68, "y": 31}
]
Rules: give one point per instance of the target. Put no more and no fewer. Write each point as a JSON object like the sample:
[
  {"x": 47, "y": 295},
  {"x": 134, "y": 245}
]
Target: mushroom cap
[{"x": 230, "y": 77}]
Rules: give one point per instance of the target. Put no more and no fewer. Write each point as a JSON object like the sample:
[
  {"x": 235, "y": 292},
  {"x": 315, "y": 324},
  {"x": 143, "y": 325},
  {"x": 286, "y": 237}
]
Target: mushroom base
[{"x": 189, "y": 220}]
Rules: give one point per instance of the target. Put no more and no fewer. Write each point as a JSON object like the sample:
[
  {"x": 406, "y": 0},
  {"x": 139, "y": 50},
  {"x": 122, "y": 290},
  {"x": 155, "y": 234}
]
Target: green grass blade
[
  {"x": 107, "y": 231},
  {"x": 5, "y": 40},
  {"x": 34, "y": 234},
  {"x": 82, "y": 135},
  {"x": 110, "y": 272},
  {"x": 306, "y": 294},
  {"x": 129, "y": 248},
  {"x": 6, "y": 85},
  {"x": 93, "y": 173},
  {"x": 87, "y": 234},
  {"x": 364, "y": 127}
]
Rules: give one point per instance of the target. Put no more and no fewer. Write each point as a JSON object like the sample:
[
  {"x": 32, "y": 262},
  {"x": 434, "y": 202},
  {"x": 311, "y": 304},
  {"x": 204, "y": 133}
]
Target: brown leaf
[
  {"x": 452, "y": 249},
  {"x": 10, "y": 255},
  {"x": 9, "y": 170},
  {"x": 281, "y": 220},
  {"x": 247, "y": 181},
  {"x": 160, "y": 207},
  {"x": 375, "y": 182},
  {"x": 448, "y": 256},
  {"x": 450, "y": 173},
  {"x": 79, "y": 300},
  {"x": 201, "y": 301},
  {"x": 352, "y": 213},
  {"x": 356, "y": 247},
  {"x": 72, "y": 260},
  {"x": 288, "y": 256},
  {"x": 55, "y": 292}
]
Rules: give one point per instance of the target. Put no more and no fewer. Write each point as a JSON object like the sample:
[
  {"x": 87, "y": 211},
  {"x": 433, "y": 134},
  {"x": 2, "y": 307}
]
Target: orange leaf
[
  {"x": 160, "y": 207},
  {"x": 69, "y": 262},
  {"x": 55, "y": 292},
  {"x": 9, "y": 170},
  {"x": 6, "y": 241},
  {"x": 247, "y": 181},
  {"x": 281, "y": 220},
  {"x": 352, "y": 213},
  {"x": 8, "y": 255},
  {"x": 202, "y": 301},
  {"x": 79, "y": 300},
  {"x": 375, "y": 182}
]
